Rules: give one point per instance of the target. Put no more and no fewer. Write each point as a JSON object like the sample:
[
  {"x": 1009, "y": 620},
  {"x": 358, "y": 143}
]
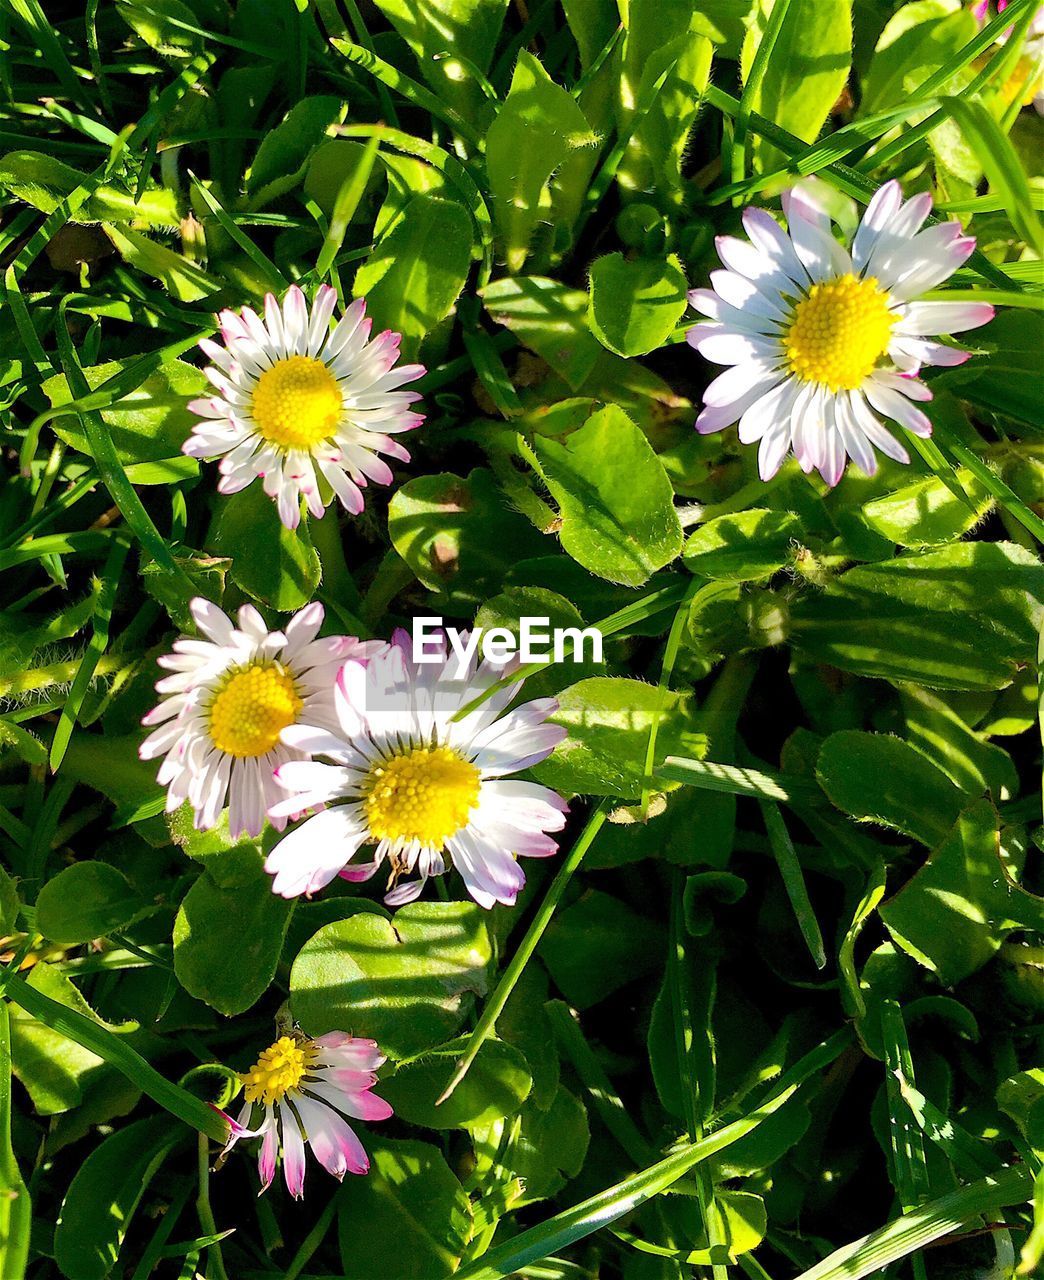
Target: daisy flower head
[
  {"x": 1026, "y": 81},
  {"x": 305, "y": 410},
  {"x": 824, "y": 340},
  {"x": 425, "y": 789},
  {"x": 230, "y": 698},
  {"x": 298, "y": 1093}
]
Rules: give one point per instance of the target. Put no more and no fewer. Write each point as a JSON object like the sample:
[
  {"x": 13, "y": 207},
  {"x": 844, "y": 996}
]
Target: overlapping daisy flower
[
  {"x": 424, "y": 788},
  {"x": 306, "y": 411},
  {"x": 824, "y": 341},
  {"x": 300, "y": 1090},
  {"x": 229, "y": 702},
  {"x": 1026, "y": 80}
]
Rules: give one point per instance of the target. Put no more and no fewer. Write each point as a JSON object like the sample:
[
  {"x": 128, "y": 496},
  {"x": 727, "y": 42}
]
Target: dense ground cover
[{"x": 779, "y": 989}]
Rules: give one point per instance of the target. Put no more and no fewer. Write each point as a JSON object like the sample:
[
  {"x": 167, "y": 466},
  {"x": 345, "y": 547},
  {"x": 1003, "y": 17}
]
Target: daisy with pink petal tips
[
  {"x": 302, "y": 1089},
  {"x": 425, "y": 785},
  {"x": 824, "y": 340},
  {"x": 230, "y": 698},
  {"x": 305, "y": 410}
]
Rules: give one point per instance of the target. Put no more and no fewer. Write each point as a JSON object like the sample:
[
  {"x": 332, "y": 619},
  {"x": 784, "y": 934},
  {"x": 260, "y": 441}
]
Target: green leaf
[
  {"x": 409, "y": 1218},
  {"x": 181, "y": 278},
  {"x": 551, "y": 319},
  {"x": 538, "y": 126},
  {"x": 228, "y": 861},
  {"x": 161, "y": 24},
  {"x": 227, "y": 940},
  {"x": 206, "y": 573},
  {"x": 42, "y": 181},
  {"x": 608, "y": 721},
  {"x": 749, "y": 546},
  {"x": 85, "y": 901},
  {"x": 916, "y": 41},
  {"x": 99, "y": 1206},
  {"x": 52, "y": 1067},
  {"x": 275, "y": 565},
  {"x": 877, "y": 778},
  {"x": 597, "y": 945},
  {"x": 497, "y": 1084},
  {"x": 283, "y": 155},
  {"x": 972, "y": 763},
  {"x": 408, "y": 984},
  {"x": 957, "y": 910},
  {"x": 636, "y": 302},
  {"x": 551, "y": 1146},
  {"x": 927, "y": 512},
  {"x": 664, "y": 39},
  {"x": 1007, "y": 381},
  {"x": 16, "y": 1214},
  {"x": 618, "y": 516},
  {"x": 910, "y": 1234},
  {"x": 806, "y": 73},
  {"x": 150, "y": 423},
  {"x": 458, "y": 536},
  {"x": 1002, "y": 167},
  {"x": 9, "y": 904},
  {"x": 964, "y": 617},
  {"x": 467, "y": 28},
  {"x": 416, "y": 272}
]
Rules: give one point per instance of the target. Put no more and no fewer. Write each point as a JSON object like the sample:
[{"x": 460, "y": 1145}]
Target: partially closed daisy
[
  {"x": 423, "y": 789},
  {"x": 227, "y": 705},
  {"x": 300, "y": 1090},
  {"x": 824, "y": 340},
  {"x": 304, "y": 410}
]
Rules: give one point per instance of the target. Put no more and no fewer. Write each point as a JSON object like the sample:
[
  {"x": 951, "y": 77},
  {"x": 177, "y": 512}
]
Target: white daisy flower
[
  {"x": 228, "y": 704},
  {"x": 302, "y": 409},
  {"x": 302, "y": 1087},
  {"x": 826, "y": 340},
  {"x": 424, "y": 789},
  {"x": 1026, "y": 81}
]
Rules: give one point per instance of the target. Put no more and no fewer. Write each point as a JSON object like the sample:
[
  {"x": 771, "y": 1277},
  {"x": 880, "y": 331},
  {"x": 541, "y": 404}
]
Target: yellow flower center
[
  {"x": 425, "y": 794},
  {"x": 280, "y": 1068},
  {"x": 297, "y": 403},
  {"x": 252, "y": 708},
  {"x": 839, "y": 332}
]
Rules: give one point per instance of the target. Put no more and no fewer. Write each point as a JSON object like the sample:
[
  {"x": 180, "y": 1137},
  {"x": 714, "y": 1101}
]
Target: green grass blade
[
  {"x": 93, "y": 1036},
  {"x": 1002, "y": 167},
  {"x": 15, "y": 1208},
  {"x": 904, "y": 1236},
  {"x": 793, "y": 881},
  {"x": 495, "y": 1004},
  {"x": 566, "y": 1228},
  {"x": 777, "y": 17}
]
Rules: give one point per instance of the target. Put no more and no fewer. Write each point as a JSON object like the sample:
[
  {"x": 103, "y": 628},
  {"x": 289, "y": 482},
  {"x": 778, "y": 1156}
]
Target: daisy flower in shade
[
  {"x": 825, "y": 340},
  {"x": 303, "y": 1089},
  {"x": 230, "y": 699},
  {"x": 423, "y": 788},
  {"x": 303, "y": 409}
]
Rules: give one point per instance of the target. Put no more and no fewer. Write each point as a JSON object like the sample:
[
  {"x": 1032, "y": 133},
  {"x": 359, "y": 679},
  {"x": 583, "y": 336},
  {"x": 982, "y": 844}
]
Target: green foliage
[
  {"x": 408, "y": 985},
  {"x": 614, "y": 497},
  {"x": 773, "y": 1008},
  {"x": 411, "y": 1198}
]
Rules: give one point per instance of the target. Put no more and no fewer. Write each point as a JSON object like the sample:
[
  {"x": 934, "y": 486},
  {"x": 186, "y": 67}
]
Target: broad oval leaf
[
  {"x": 609, "y": 720},
  {"x": 408, "y": 982},
  {"x": 85, "y": 901},
  {"x": 635, "y": 303},
  {"x": 99, "y": 1206},
  {"x": 616, "y": 502},
  {"x": 408, "y": 1218}
]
